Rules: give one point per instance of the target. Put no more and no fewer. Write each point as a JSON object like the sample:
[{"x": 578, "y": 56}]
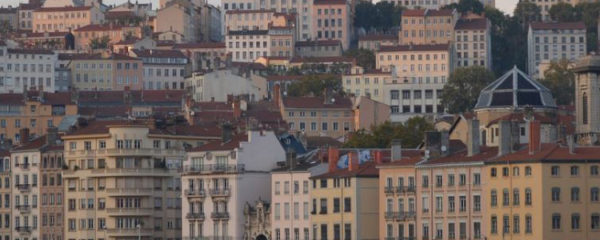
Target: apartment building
[
  {"x": 85, "y": 34},
  {"x": 51, "y": 188},
  {"x": 333, "y": 20},
  {"x": 371, "y": 83},
  {"x": 425, "y": 26},
  {"x": 5, "y": 194},
  {"x": 318, "y": 116},
  {"x": 26, "y": 69},
  {"x": 33, "y": 110},
  {"x": 473, "y": 43},
  {"x": 163, "y": 69},
  {"x": 322, "y": 48},
  {"x": 104, "y": 71},
  {"x": 548, "y": 42},
  {"x": 433, "y": 4},
  {"x": 374, "y": 41},
  {"x": 290, "y": 197},
  {"x": 220, "y": 179},
  {"x": 122, "y": 180},
  {"x": 63, "y": 19},
  {"x": 204, "y": 56},
  {"x": 422, "y": 71},
  {"x": 344, "y": 200},
  {"x": 25, "y": 14},
  {"x": 10, "y": 16},
  {"x": 180, "y": 21}
]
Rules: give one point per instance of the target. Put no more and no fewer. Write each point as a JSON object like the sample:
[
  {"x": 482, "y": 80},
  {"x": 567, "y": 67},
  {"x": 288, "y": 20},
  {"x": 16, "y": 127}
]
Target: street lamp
[{"x": 139, "y": 228}]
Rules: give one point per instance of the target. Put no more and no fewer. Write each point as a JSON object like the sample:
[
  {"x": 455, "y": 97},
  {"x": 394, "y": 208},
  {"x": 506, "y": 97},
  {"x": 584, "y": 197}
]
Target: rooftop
[
  {"x": 426, "y": 12},
  {"x": 219, "y": 145},
  {"x": 318, "y": 43},
  {"x": 158, "y": 53},
  {"x": 199, "y": 45},
  {"x": 471, "y": 24},
  {"x": 557, "y": 25},
  {"x": 317, "y": 103},
  {"x": 63, "y": 9},
  {"x": 416, "y": 48}
]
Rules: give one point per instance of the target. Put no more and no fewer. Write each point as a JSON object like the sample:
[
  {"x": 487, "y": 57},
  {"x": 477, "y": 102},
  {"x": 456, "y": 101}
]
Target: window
[
  {"x": 505, "y": 172},
  {"x": 595, "y": 221},
  {"x": 494, "y": 225},
  {"x": 575, "y": 194},
  {"x": 516, "y": 196},
  {"x": 528, "y": 199},
  {"x": 505, "y": 197},
  {"x": 505, "y": 224},
  {"x": 574, "y": 170},
  {"x": 516, "y": 224},
  {"x": 493, "y": 172},
  {"x": 594, "y": 194},
  {"x": 494, "y": 198},
  {"x": 555, "y": 171},
  {"x": 336, "y": 205},
  {"x": 528, "y": 171},
  {"x": 347, "y": 206},
  {"x": 575, "y": 221},
  {"x": 594, "y": 171},
  {"x": 528, "y": 224},
  {"x": 555, "y": 194},
  {"x": 556, "y": 221}
]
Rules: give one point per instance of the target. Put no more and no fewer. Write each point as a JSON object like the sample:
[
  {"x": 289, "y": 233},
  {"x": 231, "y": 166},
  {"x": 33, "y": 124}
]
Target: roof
[
  {"x": 30, "y": 51},
  {"x": 219, "y": 145},
  {"x": 199, "y": 45},
  {"x": 59, "y": 98},
  {"x": 415, "y": 48},
  {"x": 321, "y": 59},
  {"x": 99, "y": 27},
  {"x": 95, "y": 56},
  {"x": 112, "y": 98},
  {"x": 63, "y": 9},
  {"x": 284, "y": 77},
  {"x": 328, "y": 2},
  {"x": 520, "y": 117},
  {"x": 316, "y": 102},
  {"x": 471, "y": 24},
  {"x": 318, "y": 43},
  {"x": 118, "y": 14},
  {"x": 158, "y": 53},
  {"x": 557, "y": 25},
  {"x": 515, "y": 90},
  {"x": 365, "y": 170},
  {"x": 36, "y": 143},
  {"x": 587, "y": 63},
  {"x": 551, "y": 152},
  {"x": 247, "y": 32},
  {"x": 378, "y": 37},
  {"x": 485, "y": 153},
  {"x": 8, "y": 10},
  {"x": 42, "y": 34},
  {"x": 30, "y": 6},
  {"x": 426, "y": 12}
]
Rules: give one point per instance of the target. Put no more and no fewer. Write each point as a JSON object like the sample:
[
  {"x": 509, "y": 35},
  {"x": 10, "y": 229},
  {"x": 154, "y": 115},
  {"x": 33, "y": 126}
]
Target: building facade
[
  {"x": 433, "y": 4},
  {"x": 473, "y": 42},
  {"x": 424, "y": 26},
  {"x": 318, "y": 116},
  {"x": 105, "y": 71},
  {"x": 85, "y": 34},
  {"x": 63, "y": 19},
  {"x": 26, "y": 69},
  {"x": 332, "y": 20},
  {"x": 163, "y": 69},
  {"x": 323, "y": 48}
]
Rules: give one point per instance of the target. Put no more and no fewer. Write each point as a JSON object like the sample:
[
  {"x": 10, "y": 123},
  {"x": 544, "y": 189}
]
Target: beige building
[
  {"x": 369, "y": 113},
  {"x": 375, "y": 41},
  {"x": 205, "y": 55},
  {"x": 433, "y": 4},
  {"x": 586, "y": 99},
  {"x": 9, "y": 15},
  {"x": 473, "y": 42},
  {"x": 366, "y": 83},
  {"x": 104, "y": 71},
  {"x": 52, "y": 19},
  {"x": 322, "y": 48},
  {"x": 163, "y": 69},
  {"x": 85, "y": 34},
  {"x": 185, "y": 21},
  {"x": 333, "y": 20},
  {"x": 122, "y": 180},
  {"x": 424, "y": 26},
  {"x": 25, "y": 13},
  {"x": 5, "y": 194},
  {"x": 548, "y": 42}
]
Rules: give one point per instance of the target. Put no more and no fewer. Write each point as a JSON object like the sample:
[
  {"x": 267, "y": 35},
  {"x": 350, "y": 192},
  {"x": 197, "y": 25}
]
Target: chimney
[
  {"x": 237, "y": 111},
  {"x": 24, "y": 134},
  {"x": 333, "y": 157},
  {"x": 504, "y": 138},
  {"x": 571, "y": 143},
  {"x": 472, "y": 137},
  {"x": 433, "y": 142},
  {"x": 277, "y": 94},
  {"x": 52, "y": 136},
  {"x": 445, "y": 143},
  {"x": 534, "y": 136},
  {"x": 377, "y": 157},
  {"x": 396, "y": 150},
  {"x": 353, "y": 163},
  {"x": 291, "y": 158}
]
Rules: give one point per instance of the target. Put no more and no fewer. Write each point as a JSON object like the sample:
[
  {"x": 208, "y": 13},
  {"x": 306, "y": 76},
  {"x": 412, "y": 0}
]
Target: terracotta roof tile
[
  {"x": 36, "y": 143},
  {"x": 316, "y": 103},
  {"x": 30, "y": 51},
  {"x": 63, "y": 9},
  {"x": 99, "y": 27},
  {"x": 416, "y": 48},
  {"x": 219, "y": 145},
  {"x": 561, "y": 25},
  {"x": 365, "y": 170},
  {"x": 471, "y": 24}
]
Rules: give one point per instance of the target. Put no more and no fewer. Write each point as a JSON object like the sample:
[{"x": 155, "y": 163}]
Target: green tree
[
  {"x": 365, "y": 16},
  {"x": 509, "y": 41},
  {"x": 560, "y": 79},
  {"x": 5, "y": 28},
  {"x": 465, "y": 6},
  {"x": 381, "y": 16},
  {"x": 314, "y": 85},
  {"x": 527, "y": 12},
  {"x": 410, "y": 133},
  {"x": 364, "y": 57},
  {"x": 99, "y": 42},
  {"x": 564, "y": 12},
  {"x": 462, "y": 89}
]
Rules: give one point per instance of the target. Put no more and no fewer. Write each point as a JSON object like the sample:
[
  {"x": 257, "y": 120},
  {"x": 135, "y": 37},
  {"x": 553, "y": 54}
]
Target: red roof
[
  {"x": 317, "y": 102},
  {"x": 471, "y": 24},
  {"x": 30, "y": 51},
  {"x": 378, "y": 37},
  {"x": 29, "y": 6},
  {"x": 560, "y": 26},
  {"x": 416, "y": 48},
  {"x": 59, "y": 98},
  {"x": 219, "y": 145},
  {"x": 32, "y": 145},
  {"x": 329, "y": 2},
  {"x": 551, "y": 152},
  {"x": 318, "y": 43},
  {"x": 63, "y": 9},
  {"x": 99, "y": 27},
  {"x": 200, "y": 45}
]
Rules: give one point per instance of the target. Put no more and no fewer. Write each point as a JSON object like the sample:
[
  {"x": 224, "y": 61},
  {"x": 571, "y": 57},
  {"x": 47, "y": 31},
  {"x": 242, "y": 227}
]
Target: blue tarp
[{"x": 363, "y": 156}]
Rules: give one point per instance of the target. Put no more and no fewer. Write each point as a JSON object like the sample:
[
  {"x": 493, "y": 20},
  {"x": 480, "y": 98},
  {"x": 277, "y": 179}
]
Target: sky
[{"x": 506, "y": 6}]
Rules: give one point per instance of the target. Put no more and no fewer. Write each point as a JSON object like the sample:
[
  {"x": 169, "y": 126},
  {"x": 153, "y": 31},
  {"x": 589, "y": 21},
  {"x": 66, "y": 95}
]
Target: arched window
[
  {"x": 584, "y": 107},
  {"x": 528, "y": 197}
]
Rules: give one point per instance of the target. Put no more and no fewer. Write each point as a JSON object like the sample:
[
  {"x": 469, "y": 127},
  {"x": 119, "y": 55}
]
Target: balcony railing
[
  {"x": 214, "y": 168},
  {"x": 195, "y": 216},
  {"x": 22, "y": 165},
  {"x": 195, "y": 193},
  {"x": 220, "y": 192},
  {"x": 400, "y": 216},
  {"x": 388, "y": 190},
  {"x": 132, "y": 211},
  {"x": 406, "y": 189},
  {"x": 23, "y": 208},
  {"x": 219, "y": 215},
  {"x": 24, "y": 187},
  {"x": 23, "y": 229},
  {"x": 126, "y": 152}
]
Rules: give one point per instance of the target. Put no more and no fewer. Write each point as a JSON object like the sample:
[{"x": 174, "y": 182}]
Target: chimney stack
[
  {"x": 377, "y": 157},
  {"x": 353, "y": 162},
  {"x": 52, "y": 136},
  {"x": 433, "y": 142},
  {"x": 534, "y": 136},
  {"x": 237, "y": 111},
  {"x": 472, "y": 137},
  {"x": 504, "y": 138},
  {"x": 277, "y": 94},
  {"x": 333, "y": 156},
  {"x": 571, "y": 143},
  {"x": 396, "y": 150},
  {"x": 291, "y": 158},
  {"x": 24, "y": 134}
]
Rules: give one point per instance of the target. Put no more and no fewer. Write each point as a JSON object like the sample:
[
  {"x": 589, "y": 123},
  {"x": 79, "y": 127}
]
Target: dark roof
[
  {"x": 313, "y": 142},
  {"x": 30, "y": 51},
  {"x": 32, "y": 144},
  {"x": 30, "y": 6},
  {"x": 426, "y": 12},
  {"x": 99, "y": 27},
  {"x": 95, "y": 56},
  {"x": 551, "y": 152},
  {"x": 485, "y": 153},
  {"x": 248, "y": 32},
  {"x": 63, "y": 9},
  {"x": 520, "y": 117},
  {"x": 471, "y": 24},
  {"x": 316, "y": 102},
  {"x": 378, "y": 37},
  {"x": 158, "y": 53},
  {"x": 59, "y": 98},
  {"x": 219, "y": 145},
  {"x": 238, "y": 11},
  {"x": 327, "y": 2},
  {"x": 420, "y": 47},
  {"x": 8, "y": 10},
  {"x": 365, "y": 170},
  {"x": 318, "y": 43},
  {"x": 200, "y": 45},
  {"x": 557, "y": 25},
  {"x": 321, "y": 59},
  {"x": 149, "y": 97},
  {"x": 118, "y": 14}
]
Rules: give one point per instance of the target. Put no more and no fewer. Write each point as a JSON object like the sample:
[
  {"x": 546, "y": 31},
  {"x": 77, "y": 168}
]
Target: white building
[
  {"x": 473, "y": 42},
  {"x": 26, "y": 69},
  {"x": 220, "y": 177},
  {"x": 547, "y": 42},
  {"x": 433, "y": 4},
  {"x": 216, "y": 85},
  {"x": 163, "y": 69}
]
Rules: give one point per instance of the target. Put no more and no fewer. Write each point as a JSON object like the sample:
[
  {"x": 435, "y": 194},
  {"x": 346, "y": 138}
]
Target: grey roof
[
  {"x": 67, "y": 122},
  {"x": 589, "y": 63},
  {"x": 515, "y": 90}
]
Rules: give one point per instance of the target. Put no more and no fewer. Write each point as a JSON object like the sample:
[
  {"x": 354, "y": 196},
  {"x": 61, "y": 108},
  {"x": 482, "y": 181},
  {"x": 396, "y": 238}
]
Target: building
[
  {"x": 63, "y": 19},
  {"x": 424, "y": 26},
  {"x": 26, "y": 69},
  {"x": 586, "y": 99},
  {"x": 163, "y": 69},
  {"x": 9, "y": 15},
  {"x": 318, "y": 48},
  {"x": 333, "y": 20},
  {"x": 548, "y": 42},
  {"x": 433, "y": 4},
  {"x": 205, "y": 55},
  {"x": 345, "y": 203},
  {"x": 43, "y": 40},
  {"x": 36, "y": 111},
  {"x": 180, "y": 21},
  {"x": 142, "y": 194},
  {"x": 374, "y": 41},
  {"x": 257, "y": 220},
  {"x": 473, "y": 43},
  {"x": 126, "y": 45},
  {"x": 318, "y": 116},
  {"x": 367, "y": 83},
  {"x": 220, "y": 179},
  {"x": 105, "y": 71},
  {"x": 115, "y": 33},
  {"x": 25, "y": 14},
  {"x": 291, "y": 198},
  {"x": 5, "y": 192},
  {"x": 218, "y": 85},
  {"x": 369, "y": 113},
  {"x": 546, "y": 5},
  {"x": 251, "y": 34},
  {"x": 51, "y": 190}
]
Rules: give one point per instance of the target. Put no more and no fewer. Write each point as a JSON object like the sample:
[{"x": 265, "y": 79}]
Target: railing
[
  {"x": 105, "y": 171},
  {"x": 220, "y": 192},
  {"x": 22, "y": 165},
  {"x": 195, "y": 216},
  {"x": 129, "y": 190},
  {"x": 23, "y": 229},
  {"x": 406, "y": 189},
  {"x": 214, "y": 168},
  {"x": 195, "y": 193},
  {"x": 219, "y": 215},
  {"x": 23, "y": 208},
  {"x": 390, "y": 215},
  {"x": 129, "y": 231},
  {"x": 400, "y": 216},
  {"x": 138, "y": 211},
  {"x": 388, "y": 190},
  {"x": 126, "y": 151},
  {"x": 23, "y": 187}
]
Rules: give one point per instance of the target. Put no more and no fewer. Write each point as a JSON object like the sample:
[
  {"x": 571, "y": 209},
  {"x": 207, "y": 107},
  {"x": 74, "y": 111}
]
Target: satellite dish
[
  {"x": 444, "y": 148},
  {"x": 332, "y": 100}
]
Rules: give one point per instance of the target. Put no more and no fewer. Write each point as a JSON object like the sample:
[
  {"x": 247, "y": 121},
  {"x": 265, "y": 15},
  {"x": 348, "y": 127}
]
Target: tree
[
  {"x": 560, "y": 79},
  {"x": 315, "y": 85},
  {"x": 365, "y": 16},
  {"x": 381, "y": 16},
  {"x": 364, "y": 57},
  {"x": 527, "y": 12},
  {"x": 465, "y": 6},
  {"x": 509, "y": 41},
  {"x": 5, "y": 27},
  {"x": 410, "y": 133},
  {"x": 563, "y": 12},
  {"x": 99, "y": 42},
  {"x": 462, "y": 89}
]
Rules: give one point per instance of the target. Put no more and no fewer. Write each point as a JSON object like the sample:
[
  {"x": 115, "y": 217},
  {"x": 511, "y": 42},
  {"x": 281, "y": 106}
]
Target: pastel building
[
  {"x": 115, "y": 33},
  {"x": 473, "y": 42},
  {"x": 375, "y": 41},
  {"x": 332, "y": 20},
  {"x": 425, "y": 26},
  {"x": 163, "y": 69},
  {"x": 52, "y": 19},
  {"x": 5, "y": 193},
  {"x": 433, "y": 4},
  {"x": 26, "y": 69},
  {"x": 104, "y": 71},
  {"x": 318, "y": 116}
]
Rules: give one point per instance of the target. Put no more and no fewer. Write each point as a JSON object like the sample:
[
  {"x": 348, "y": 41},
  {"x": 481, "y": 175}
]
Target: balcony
[
  {"x": 129, "y": 232},
  {"x": 23, "y": 208},
  {"x": 24, "y": 187},
  {"x": 129, "y": 211},
  {"x": 25, "y": 229},
  {"x": 214, "y": 168},
  {"x": 24, "y": 166},
  {"x": 390, "y": 216},
  {"x": 406, "y": 189},
  {"x": 129, "y": 191},
  {"x": 111, "y": 172},
  {"x": 388, "y": 190},
  {"x": 195, "y": 216},
  {"x": 219, "y": 215},
  {"x": 195, "y": 193},
  {"x": 220, "y": 192},
  {"x": 126, "y": 152}
]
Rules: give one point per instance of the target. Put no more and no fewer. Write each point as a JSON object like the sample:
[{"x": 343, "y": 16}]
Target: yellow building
[
  {"x": 122, "y": 179},
  {"x": 52, "y": 19},
  {"x": 344, "y": 201},
  {"x": 104, "y": 72},
  {"x": 318, "y": 116},
  {"x": 425, "y": 26}
]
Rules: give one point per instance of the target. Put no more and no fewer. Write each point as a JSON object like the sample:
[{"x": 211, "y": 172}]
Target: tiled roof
[
  {"x": 256, "y": 66},
  {"x": 520, "y": 117},
  {"x": 8, "y": 10},
  {"x": 378, "y": 37},
  {"x": 365, "y": 170},
  {"x": 426, "y": 12},
  {"x": 4, "y": 153},
  {"x": 551, "y": 152},
  {"x": 63, "y": 9},
  {"x": 560, "y": 26},
  {"x": 99, "y": 27},
  {"x": 158, "y": 53},
  {"x": 102, "y": 126},
  {"x": 30, "y": 51},
  {"x": 416, "y": 48},
  {"x": 471, "y": 24},
  {"x": 199, "y": 45},
  {"x": 117, "y": 97},
  {"x": 485, "y": 153},
  {"x": 219, "y": 145},
  {"x": 321, "y": 59},
  {"x": 316, "y": 103},
  {"x": 11, "y": 98},
  {"x": 327, "y": 2},
  {"x": 247, "y": 32},
  {"x": 32, "y": 145},
  {"x": 318, "y": 43},
  {"x": 127, "y": 41},
  {"x": 96, "y": 56},
  {"x": 59, "y": 98},
  {"x": 29, "y": 6}
]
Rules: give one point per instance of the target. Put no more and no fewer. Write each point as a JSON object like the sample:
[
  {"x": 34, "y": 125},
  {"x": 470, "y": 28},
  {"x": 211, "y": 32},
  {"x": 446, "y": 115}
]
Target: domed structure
[{"x": 515, "y": 90}]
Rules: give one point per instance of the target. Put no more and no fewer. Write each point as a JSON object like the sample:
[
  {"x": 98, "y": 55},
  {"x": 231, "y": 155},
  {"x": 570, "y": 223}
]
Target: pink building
[{"x": 332, "y": 20}]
